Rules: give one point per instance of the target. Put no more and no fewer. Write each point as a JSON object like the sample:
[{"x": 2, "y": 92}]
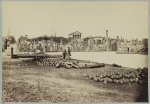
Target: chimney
[
  {"x": 107, "y": 40},
  {"x": 106, "y": 33}
]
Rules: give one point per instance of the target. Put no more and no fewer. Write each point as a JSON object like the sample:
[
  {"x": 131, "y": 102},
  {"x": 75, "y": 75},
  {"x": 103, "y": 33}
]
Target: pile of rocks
[
  {"x": 44, "y": 61},
  {"x": 69, "y": 64},
  {"x": 131, "y": 76}
]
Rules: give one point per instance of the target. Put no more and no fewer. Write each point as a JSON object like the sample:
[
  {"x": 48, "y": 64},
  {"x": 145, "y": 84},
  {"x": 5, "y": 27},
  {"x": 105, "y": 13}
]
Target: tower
[
  {"x": 107, "y": 33},
  {"x": 107, "y": 44}
]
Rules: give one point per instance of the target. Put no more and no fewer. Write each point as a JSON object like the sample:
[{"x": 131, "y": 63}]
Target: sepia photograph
[{"x": 74, "y": 51}]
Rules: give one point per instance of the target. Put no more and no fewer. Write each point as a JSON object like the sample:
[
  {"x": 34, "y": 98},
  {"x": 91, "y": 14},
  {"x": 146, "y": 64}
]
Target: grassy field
[{"x": 28, "y": 82}]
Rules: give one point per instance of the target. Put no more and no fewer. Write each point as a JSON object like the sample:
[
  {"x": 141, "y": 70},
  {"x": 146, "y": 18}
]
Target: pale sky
[{"x": 126, "y": 19}]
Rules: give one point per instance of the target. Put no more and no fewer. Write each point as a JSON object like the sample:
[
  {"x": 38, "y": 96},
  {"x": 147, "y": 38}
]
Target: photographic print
[{"x": 74, "y": 51}]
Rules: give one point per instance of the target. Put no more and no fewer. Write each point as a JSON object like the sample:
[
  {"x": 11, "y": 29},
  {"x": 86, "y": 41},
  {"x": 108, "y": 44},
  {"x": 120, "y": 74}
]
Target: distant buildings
[
  {"x": 104, "y": 44},
  {"x": 75, "y": 36},
  {"x": 132, "y": 46},
  {"x": 113, "y": 44},
  {"x": 77, "y": 43},
  {"x": 97, "y": 43},
  {"x": 7, "y": 41}
]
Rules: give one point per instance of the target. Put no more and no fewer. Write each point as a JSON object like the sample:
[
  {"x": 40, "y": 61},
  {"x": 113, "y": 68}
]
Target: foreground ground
[{"x": 28, "y": 82}]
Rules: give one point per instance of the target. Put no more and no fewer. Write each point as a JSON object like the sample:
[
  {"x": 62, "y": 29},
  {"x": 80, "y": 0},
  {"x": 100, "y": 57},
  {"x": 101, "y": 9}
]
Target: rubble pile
[
  {"x": 135, "y": 76},
  {"x": 69, "y": 64}
]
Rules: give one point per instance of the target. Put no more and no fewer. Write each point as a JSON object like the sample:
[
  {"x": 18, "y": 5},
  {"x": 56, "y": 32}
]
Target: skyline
[{"x": 126, "y": 19}]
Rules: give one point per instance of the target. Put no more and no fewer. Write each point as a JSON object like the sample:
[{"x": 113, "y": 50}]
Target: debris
[
  {"x": 85, "y": 75},
  {"x": 115, "y": 65},
  {"x": 56, "y": 62},
  {"x": 135, "y": 76}
]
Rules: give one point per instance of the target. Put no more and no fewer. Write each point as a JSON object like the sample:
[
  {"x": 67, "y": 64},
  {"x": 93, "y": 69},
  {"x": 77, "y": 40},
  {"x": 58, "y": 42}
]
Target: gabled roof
[{"x": 76, "y": 32}]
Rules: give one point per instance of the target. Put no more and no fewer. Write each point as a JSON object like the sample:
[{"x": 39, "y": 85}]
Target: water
[{"x": 126, "y": 60}]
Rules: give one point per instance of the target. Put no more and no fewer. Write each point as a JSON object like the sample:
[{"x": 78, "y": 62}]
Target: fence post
[{"x": 12, "y": 52}]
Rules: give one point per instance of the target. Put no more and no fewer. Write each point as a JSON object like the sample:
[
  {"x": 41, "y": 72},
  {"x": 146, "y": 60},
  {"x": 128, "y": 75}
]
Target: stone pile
[
  {"x": 69, "y": 64},
  {"x": 135, "y": 76}
]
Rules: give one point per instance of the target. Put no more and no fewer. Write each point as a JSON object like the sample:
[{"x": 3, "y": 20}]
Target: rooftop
[{"x": 76, "y": 32}]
